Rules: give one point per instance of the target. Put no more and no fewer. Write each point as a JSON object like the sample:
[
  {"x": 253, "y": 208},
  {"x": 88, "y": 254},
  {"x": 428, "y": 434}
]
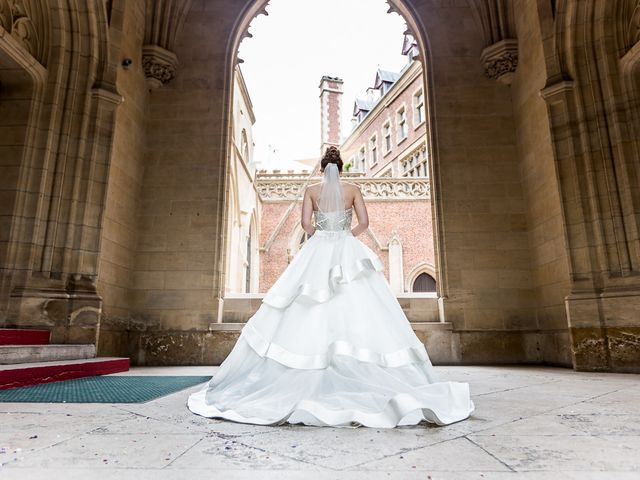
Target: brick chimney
[{"x": 330, "y": 111}]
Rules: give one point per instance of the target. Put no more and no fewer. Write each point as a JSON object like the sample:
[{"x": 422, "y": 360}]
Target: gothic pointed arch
[
  {"x": 416, "y": 27},
  {"x": 423, "y": 268}
]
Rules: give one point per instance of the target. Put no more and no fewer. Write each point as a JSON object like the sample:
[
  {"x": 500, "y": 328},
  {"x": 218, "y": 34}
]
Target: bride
[{"x": 330, "y": 344}]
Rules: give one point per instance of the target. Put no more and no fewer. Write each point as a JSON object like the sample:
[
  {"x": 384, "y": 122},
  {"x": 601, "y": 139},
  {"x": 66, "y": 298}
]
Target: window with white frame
[
  {"x": 373, "y": 150},
  {"x": 418, "y": 108},
  {"x": 361, "y": 160},
  {"x": 386, "y": 133},
  {"x": 402, "y": 124}
]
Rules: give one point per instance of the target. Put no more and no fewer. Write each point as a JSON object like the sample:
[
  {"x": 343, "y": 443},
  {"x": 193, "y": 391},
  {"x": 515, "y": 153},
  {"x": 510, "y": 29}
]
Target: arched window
[{"x": 424, "y": 283}]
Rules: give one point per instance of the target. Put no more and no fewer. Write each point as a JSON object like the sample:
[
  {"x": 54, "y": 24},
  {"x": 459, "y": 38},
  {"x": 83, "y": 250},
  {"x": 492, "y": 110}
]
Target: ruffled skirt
[{"x": 330, "y": 345}]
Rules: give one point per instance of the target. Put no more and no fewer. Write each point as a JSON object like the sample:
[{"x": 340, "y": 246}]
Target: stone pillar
[
  {"x": 594, "y": 128},
  {"x": 396, "y": 270}
]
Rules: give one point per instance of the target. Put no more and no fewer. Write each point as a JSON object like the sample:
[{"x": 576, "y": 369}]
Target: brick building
[
  {"x": 389, "y": 135},
  {"x": 386, "y": 155}
]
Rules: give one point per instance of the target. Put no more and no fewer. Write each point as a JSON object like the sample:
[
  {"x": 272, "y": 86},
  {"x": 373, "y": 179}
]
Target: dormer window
[
  {"x": 361, "y": 108},
  {"x": 385, "y": 80}
]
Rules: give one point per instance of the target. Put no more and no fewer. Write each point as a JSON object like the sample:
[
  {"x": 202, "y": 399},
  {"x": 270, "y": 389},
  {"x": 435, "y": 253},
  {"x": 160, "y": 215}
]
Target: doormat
[{"x": 102, "y": 389}]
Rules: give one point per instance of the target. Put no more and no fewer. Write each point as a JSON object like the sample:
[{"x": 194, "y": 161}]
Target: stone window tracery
[{"x": 415, "y": 164}]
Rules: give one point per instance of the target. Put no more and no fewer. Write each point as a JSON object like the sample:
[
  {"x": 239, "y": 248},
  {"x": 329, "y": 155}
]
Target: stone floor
[{"x": 530, "y": 423}]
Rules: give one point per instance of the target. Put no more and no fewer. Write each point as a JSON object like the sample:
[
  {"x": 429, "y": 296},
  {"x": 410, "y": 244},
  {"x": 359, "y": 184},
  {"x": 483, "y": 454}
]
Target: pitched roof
[
  {"x": 385, "y": 76},
  {"x": 363, "y": 104},
  {"x": 408, "y": 43}
]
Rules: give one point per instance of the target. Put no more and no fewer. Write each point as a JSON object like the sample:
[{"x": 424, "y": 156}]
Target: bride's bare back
[{"x": 352, "y": 197}]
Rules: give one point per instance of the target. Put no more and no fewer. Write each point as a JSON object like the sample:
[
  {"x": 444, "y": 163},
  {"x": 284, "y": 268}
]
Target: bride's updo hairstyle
[{"x": 331, "y": 155}]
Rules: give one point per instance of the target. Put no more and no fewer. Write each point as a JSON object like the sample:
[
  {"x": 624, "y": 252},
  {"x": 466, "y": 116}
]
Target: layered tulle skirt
[{"x": 330, "y": 345}]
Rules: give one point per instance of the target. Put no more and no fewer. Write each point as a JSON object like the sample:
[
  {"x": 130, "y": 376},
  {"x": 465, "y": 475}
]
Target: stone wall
[
  {"x": 414, "y": 231},
  {"x": 14, "y": 117}
]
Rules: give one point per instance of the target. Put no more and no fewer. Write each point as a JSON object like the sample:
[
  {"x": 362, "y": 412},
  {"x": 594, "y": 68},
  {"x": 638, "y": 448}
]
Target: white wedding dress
[{"x": 330, "y": 345}]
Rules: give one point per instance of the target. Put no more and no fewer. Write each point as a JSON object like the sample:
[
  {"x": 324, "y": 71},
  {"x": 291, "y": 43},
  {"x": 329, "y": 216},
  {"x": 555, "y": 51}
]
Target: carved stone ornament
[
  {"x": 26, "y": 21},
  {"x": 500, "y": 60},
  {"x": 271, "y": 188},
  {"x": 159, "y": 65}
]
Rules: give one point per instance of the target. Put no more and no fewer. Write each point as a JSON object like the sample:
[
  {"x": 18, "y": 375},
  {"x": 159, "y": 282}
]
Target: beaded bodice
[{"x": 333, "y": 221}]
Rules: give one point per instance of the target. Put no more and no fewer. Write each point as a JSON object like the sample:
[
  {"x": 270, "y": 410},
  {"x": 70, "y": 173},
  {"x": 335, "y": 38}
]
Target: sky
[{"x": 292, "y": 48}]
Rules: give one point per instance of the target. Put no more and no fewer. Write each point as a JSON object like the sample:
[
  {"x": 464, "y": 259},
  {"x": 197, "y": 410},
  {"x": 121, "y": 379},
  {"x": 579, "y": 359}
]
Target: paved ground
[{"x": 530, "y": 423}]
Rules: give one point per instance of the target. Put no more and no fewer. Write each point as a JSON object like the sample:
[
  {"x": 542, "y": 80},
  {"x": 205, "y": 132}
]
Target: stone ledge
[{"x": 418, "y": 307}]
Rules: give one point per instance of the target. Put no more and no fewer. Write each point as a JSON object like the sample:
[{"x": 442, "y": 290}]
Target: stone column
[{"x": 594, "y": 127}]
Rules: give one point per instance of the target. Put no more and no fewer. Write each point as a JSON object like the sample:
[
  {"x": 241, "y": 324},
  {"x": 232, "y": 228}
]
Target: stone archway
[
  {"x": 455, "y": 135},
  {"x": 474, "y": 173},
  {"x": 402, "y": 8},
  {"x": 501, "y": 186}
]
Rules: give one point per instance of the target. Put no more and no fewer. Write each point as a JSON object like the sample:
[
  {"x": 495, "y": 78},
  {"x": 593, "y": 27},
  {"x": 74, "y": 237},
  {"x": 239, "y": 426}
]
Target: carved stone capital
[
  {"x": 500, "y": 60},
  {"x": 159, "y": 65}
]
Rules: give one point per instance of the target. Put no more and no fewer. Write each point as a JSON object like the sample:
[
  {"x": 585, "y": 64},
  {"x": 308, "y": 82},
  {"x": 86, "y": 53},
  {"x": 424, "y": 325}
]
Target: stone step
[
  {"x": 25, "y": 374},
  {"x": 13, "y": 354},
  {"x": 23, "y": 336}
]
